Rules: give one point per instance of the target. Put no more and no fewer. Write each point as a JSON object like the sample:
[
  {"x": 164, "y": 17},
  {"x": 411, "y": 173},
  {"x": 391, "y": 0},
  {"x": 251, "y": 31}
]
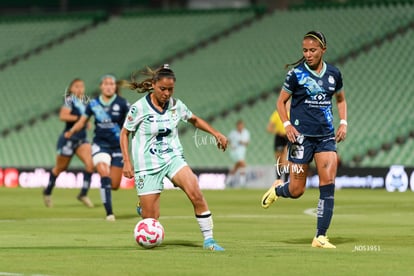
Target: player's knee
[{"x": 89, "y": 168}]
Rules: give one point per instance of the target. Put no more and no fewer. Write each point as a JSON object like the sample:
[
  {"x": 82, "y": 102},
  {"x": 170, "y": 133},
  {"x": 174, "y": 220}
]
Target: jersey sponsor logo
[
  {"x": 151, "y": 119},
  {"x": 161, "y": 147},
  {"x": 320, "y": 97},
  {"x": 103, "y": 118}
]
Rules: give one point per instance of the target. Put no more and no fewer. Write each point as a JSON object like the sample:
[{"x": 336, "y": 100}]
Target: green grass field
[{"x": 372, "y": 229}]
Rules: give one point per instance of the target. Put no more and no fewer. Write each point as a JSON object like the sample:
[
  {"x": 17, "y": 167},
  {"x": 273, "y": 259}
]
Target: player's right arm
[
  {"x": 128, "y": 169},
  {"x": 77, "y": 126},
  {"x": 291, "y": 131}
]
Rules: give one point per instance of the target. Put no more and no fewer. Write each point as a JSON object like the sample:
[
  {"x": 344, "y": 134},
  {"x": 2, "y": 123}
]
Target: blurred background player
[
  {"x": 71, "y": 112},
  {"x": 239, "y": 138},
  {"x": 275, "y": 126},
  {"x": 157, "y": 152},
  {"x": 311, "y": 85},
  {"x": 109, "y": 110}
]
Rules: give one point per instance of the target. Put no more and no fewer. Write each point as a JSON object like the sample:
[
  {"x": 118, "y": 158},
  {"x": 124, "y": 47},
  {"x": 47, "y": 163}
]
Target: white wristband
[
  {"x": 286, "y": 123},
  {"x": 343, "y": 122}
]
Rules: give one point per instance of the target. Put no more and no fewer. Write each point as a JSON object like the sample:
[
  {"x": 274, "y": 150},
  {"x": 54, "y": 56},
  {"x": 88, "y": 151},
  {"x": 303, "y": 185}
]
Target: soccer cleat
[
  {"x": 110, "y": 218},
  {"x": 139, "y": 209},
  {"x": 270, "y": 196},
  {"x": 210, "y": 244},
  {"x": 47, "y": 199},
  {"x": 85, "y": 200},
  {"x": 322, "y": 242}
]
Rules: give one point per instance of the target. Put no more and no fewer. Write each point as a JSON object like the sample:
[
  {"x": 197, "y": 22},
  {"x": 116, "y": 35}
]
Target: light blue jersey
[{"x": 155, "y": 139}]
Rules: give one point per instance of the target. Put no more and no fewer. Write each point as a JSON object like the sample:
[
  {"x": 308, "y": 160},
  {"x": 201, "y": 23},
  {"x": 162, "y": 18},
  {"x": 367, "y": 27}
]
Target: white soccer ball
[{"x": 149, "y": 233}]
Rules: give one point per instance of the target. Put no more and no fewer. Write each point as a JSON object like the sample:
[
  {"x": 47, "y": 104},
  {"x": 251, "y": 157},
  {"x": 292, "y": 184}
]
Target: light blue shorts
[
  {"x": 238, "y": 154},
  {"x": 152, "y": 183}
]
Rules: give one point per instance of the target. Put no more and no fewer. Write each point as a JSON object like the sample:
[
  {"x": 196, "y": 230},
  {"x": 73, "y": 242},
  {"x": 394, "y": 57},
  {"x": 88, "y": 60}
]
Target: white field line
[
  {"x": 310, "y": 212},
  {"x": 231, "y": 216},
  {"x": 2, "y": 273}
]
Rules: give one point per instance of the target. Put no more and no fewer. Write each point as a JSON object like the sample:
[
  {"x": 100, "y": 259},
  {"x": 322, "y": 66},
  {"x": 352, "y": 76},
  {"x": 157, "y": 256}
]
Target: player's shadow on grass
[
  {"x": 180, "y": 243},
  {"x": 129, "y": 216},
  {"x": 335, "y": 240}
]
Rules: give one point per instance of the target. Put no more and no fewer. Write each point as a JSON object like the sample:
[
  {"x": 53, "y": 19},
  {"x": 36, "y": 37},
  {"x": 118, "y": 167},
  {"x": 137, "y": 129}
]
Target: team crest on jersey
[
  {"x": 174, "y": 114},
  {"x": 331, "y": 80},
  {"x": 116, "y": 107}
]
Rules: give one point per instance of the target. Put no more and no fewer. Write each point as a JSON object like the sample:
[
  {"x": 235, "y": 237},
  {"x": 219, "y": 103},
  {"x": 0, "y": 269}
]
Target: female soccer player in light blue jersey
[
  {"x": 311, "y": 85},
  {"x": 157, "y": 151},
  {"x": 109, "y": 110}
]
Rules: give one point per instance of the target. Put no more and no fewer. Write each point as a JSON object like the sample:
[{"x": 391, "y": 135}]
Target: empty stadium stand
[{"x": 227, "y": 77}]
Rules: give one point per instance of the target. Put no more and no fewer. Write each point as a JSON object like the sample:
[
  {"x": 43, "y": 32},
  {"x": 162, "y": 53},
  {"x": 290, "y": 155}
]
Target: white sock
[
  {"x": 242, "y": 179},
  {"x": 205, "y": 221}
]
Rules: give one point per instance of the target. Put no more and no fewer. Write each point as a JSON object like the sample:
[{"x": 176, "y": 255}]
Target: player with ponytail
[
  {"x": 311, "y": 85},
  {"x": 109, "y": 110},
  {"x": 156, "y": 149},
  {"x": 70, "y": 113}
]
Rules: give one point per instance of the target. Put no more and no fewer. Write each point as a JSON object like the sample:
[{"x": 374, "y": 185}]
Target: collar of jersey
[
  {"x": 320, "y": 75},
  {"x": 148, "y": 97},
  {"x": 111, "y": 100}
]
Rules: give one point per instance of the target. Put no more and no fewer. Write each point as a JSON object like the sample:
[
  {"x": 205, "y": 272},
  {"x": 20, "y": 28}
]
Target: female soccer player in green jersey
[{"x": 157, "y": 151}]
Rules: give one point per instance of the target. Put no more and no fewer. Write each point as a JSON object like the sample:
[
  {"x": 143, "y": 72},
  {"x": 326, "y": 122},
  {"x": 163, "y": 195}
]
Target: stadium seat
[{"x": 227, "y": 74}]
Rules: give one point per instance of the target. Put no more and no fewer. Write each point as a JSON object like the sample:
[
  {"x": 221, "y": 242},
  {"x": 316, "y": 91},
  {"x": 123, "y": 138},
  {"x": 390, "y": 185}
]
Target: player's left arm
[
  {"x": 342, "y": 110},
  {"x": 203, "y": 125}
]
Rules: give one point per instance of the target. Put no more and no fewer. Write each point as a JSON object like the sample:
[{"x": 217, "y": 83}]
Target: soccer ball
[{"x": 149, "y": 233}]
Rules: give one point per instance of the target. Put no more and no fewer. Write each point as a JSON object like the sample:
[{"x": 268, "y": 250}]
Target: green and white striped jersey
[{"x": 155, "y": 135}]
